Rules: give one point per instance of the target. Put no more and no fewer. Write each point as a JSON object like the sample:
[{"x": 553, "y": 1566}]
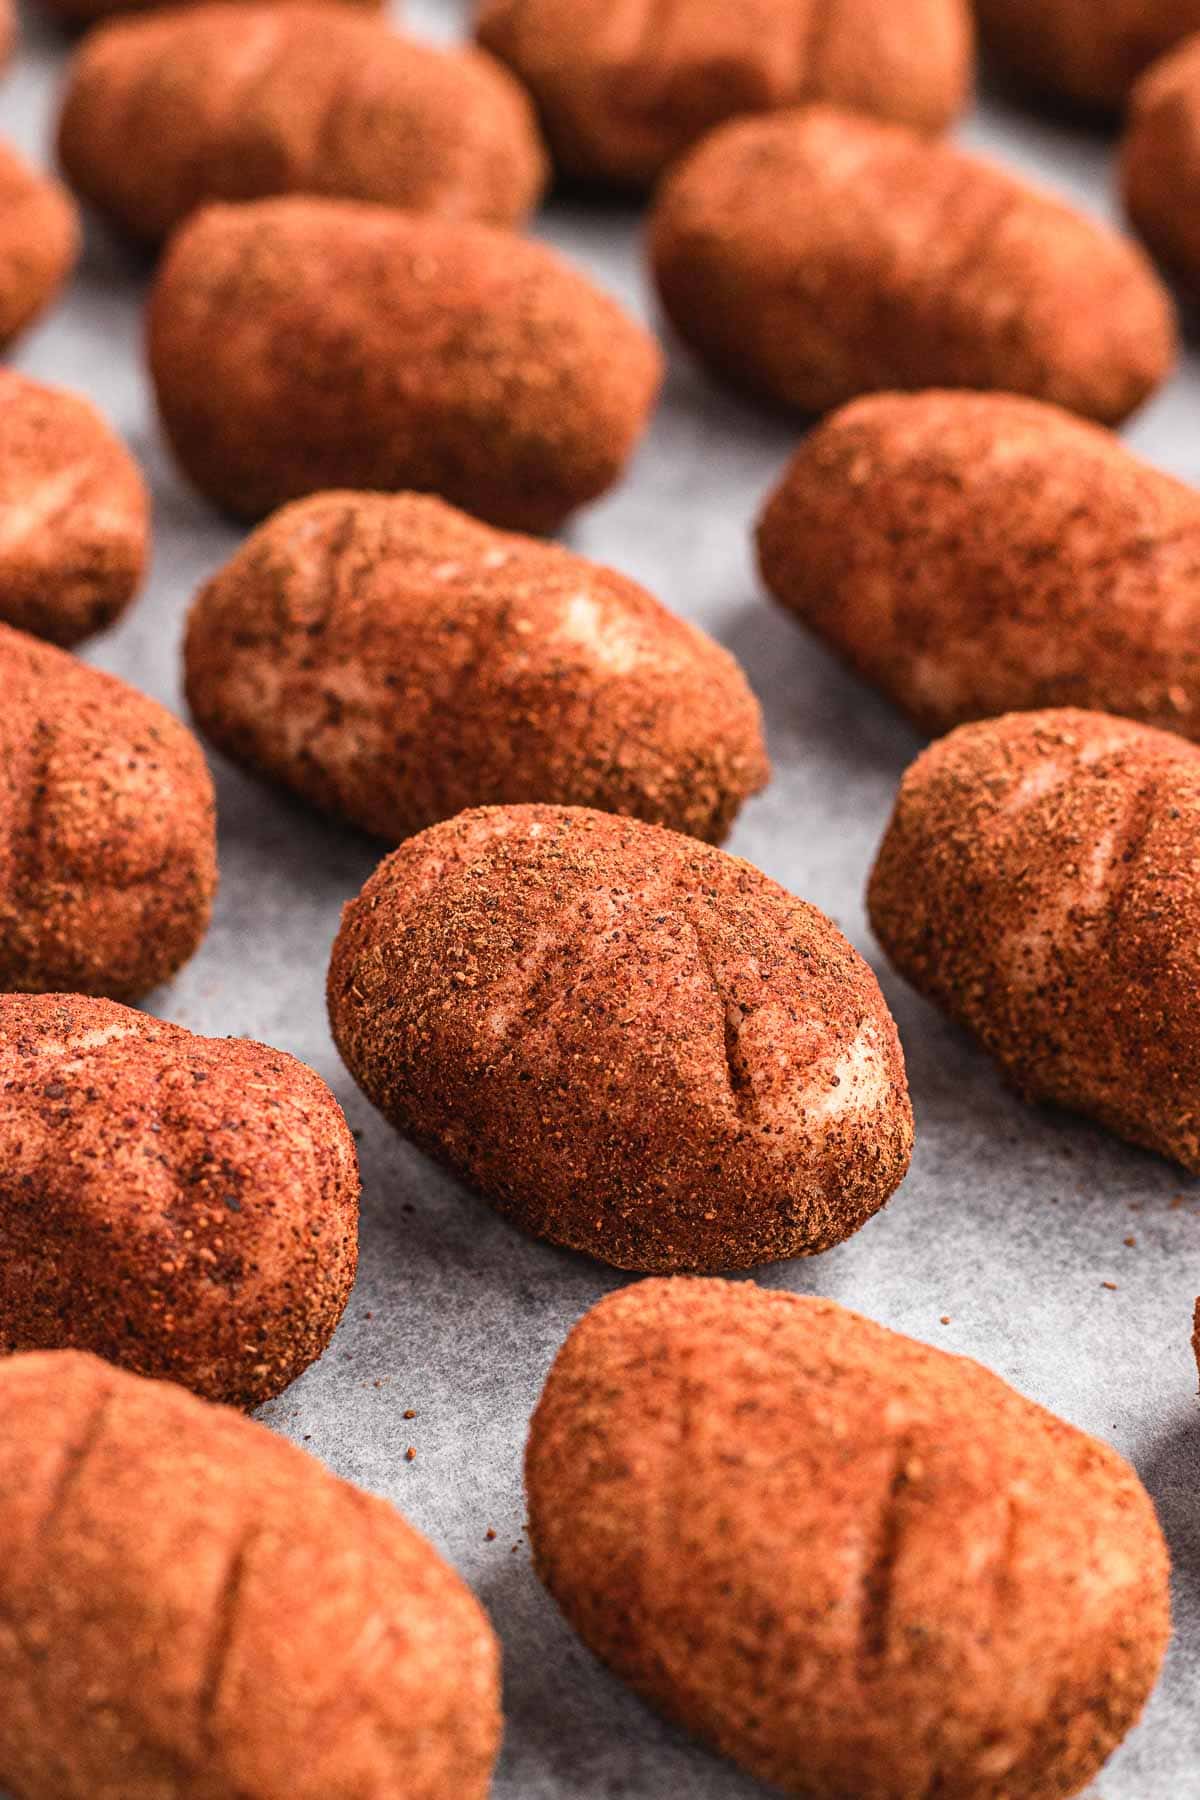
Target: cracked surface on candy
[
  {"x": 394, "y": 661},
  {"x": 1038, "y": 882},
  {"x": 631, "y": 1043},
  {"x": 193, "y": 1608},
  {"x": 625, "y": 85},
  {"x": 975, "y": 554},
  {"x": 184, "y": 1206},
  {"x": 852, "y": 1563},
  {"x": 235, "y": 102},
  {"x": 74, "y": 514},
  {"x": 107, "y": 829},
  {"x": 814, "y": 255},
  {"x": 39, "y": 242},
  {"x": 300, "y": 344}
]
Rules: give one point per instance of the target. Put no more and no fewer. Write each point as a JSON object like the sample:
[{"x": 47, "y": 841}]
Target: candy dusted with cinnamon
[
  {"x": 1039, "y": 883},
  {"x": 74, "y": 514},
  {"x": 191, "y": 1209},
  {"x": 107, "y": 824},
  {"x": 302, "y": 344},
  {"x": 631, "y": 1043},
  {"x": 394, "y": 661},
  {"x": 815, "y": 255},
  {"x": 624, "y": 86},
  {"x": 166, "y": 112},
  {"x": 39, "y": 242}
]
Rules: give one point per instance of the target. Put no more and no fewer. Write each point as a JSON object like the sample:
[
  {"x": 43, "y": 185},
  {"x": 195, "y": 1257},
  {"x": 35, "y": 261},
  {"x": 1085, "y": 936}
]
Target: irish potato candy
[
  {"x": 39, "y": 242},
  {"x": 632, "y": 1044},
  {"x": 1089, "y": 51},
  {"x": 195, "y": 1608},
  {"x": 185, "y": 1206},
  {"x": 74, "y": 514},
  {"x": 234, "y": 102},
  {"x": 301, "y": 344},
  {"x": 974, "y": 554},
  {"x": 1160, "y": 160},
  {"x": 107, "y": 834},
  {"x": 858, "y": 1566},
  {"x": 395, "y": 661},
  {"x": 1039, "y": 882},
  {"x": 625, "y": 85},
  {"x": 815, "y": 255}
]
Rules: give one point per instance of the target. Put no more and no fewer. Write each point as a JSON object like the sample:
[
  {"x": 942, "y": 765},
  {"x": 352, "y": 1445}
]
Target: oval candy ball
[
  {"x": 1039, "y": 883},
  {"x": 393, "y": 662},
  {"x": 39, "y": 242},
  {"x": 193, "y": 1606},
  {"x": 812, "y": 256},
  {"x": 975, "y": 554},
  {"x": 629, "y": 1042},
  {"x": 234, "y": 102},
  {"x": 74, "y": 514},
  {"x": 184, "y": 1206},
  {"x": 852, "y": 1563},
  {"x": 1087, "y": 51},
  {"x": 622, "y": 91},
  {"x": 108, "y": 861},
  {"x": 1160, "y": 161},
  {"x": 299, "y": 344}
]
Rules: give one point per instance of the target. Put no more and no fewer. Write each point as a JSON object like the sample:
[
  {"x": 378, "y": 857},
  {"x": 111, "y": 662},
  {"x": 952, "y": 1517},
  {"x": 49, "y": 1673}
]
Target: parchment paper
[{"x": 1011, "y": 1220}]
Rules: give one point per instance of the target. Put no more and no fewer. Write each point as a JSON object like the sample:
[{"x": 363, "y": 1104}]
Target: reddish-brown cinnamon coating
[
  {"x": 393, "y": 661},
  {"x": 39, "y": 242},
  {"x": 195, "y": 1609},
  {"x": 184, "y": 1206},
  {"x": 1039, "y": 882},
  {"x": 235, "y": 102},
  {"x": 625, "y": 85},
  {"x": 811, "y": 256},
  {"x": 1088, "y": 51},
  {"x": 107, "y": 832},
  {"x": 8, "y": 30},
  {"x": 858, "y": 1566},
  {"x": 1160, "y": 161},
  {"x": 302, "y": 344},
  {"x": 629, "y": 1042},
  {"x": 74, "y": 514},
  {"x": 975, "y": 554},
  {"x": 89, "y": 12}
]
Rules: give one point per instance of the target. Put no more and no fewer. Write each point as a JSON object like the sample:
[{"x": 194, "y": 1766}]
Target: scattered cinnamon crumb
[
  {"x": 489, "y": 1536},
  {"x": 1131, "y": 1243},
  {"x": 410, "y": 1455},
  {"x": 409, "y": 1413},
  {"x": 945, "y": 1318},
  {"x": 1110, "y": 1285}
]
